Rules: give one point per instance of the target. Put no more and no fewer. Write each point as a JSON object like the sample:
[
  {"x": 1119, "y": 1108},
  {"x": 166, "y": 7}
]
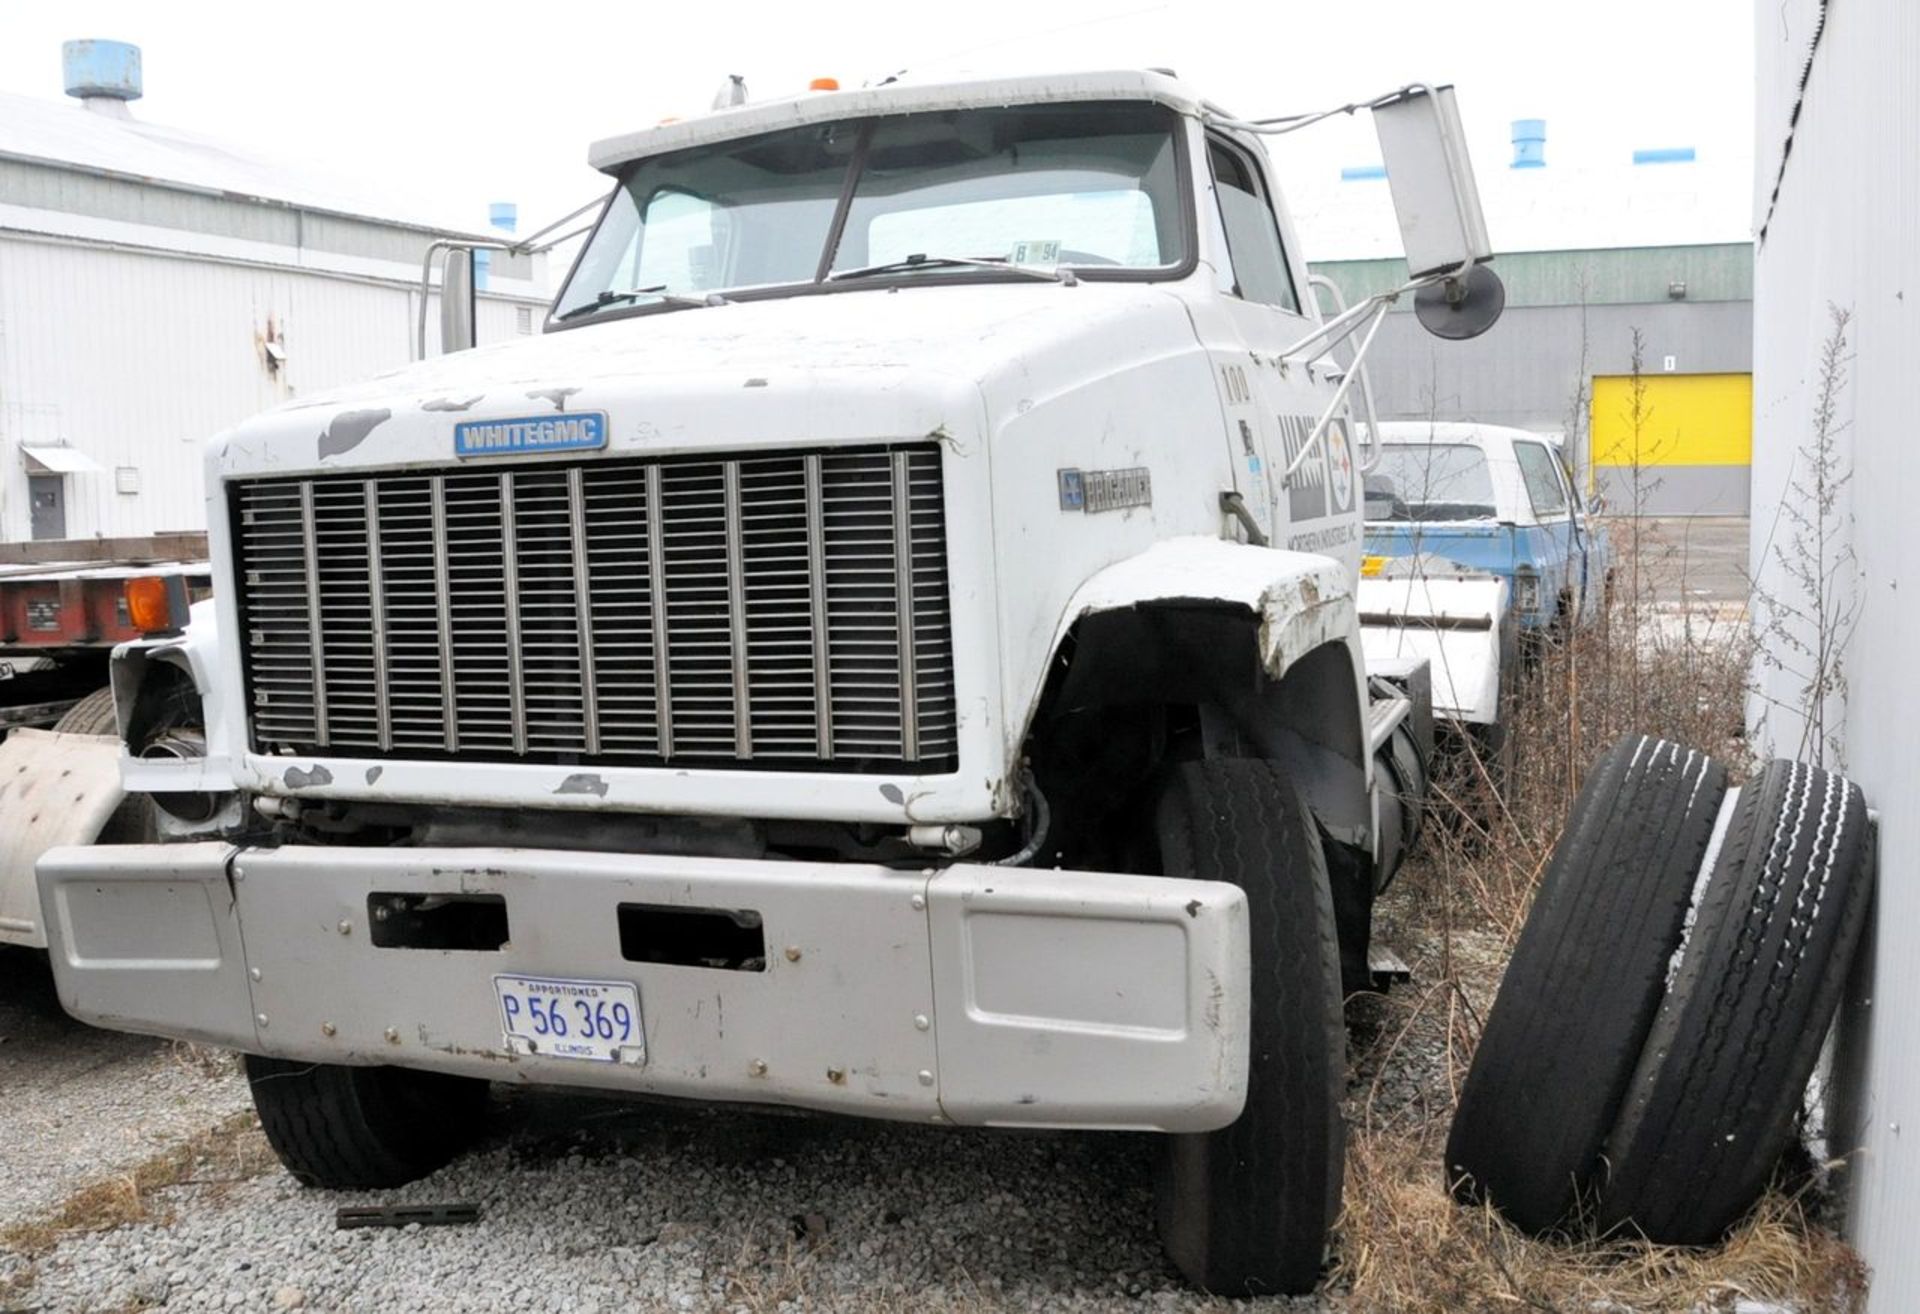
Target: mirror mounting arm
[
  {"x": 1378, "y": 307},
  {"x": 447, "y": 245},
  {"x": 1359, "y": 366}
]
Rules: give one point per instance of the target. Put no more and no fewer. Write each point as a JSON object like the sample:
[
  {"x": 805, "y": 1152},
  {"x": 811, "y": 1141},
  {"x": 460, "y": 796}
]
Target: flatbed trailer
[{"x": 60, "y": 621}]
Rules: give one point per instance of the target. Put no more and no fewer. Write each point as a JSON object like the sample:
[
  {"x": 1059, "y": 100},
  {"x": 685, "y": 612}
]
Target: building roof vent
[
  {"x": 1529, "y": 144},
  {"x": 104, "y": 75}
]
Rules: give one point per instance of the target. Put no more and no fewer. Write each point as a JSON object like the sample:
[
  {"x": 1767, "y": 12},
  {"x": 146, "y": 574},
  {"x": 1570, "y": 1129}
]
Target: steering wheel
[{"x": 1070, "y": 257}]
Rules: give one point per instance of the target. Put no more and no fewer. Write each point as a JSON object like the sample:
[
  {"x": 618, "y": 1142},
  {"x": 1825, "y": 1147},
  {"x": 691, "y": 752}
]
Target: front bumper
[{"x": 972, "y": 994}]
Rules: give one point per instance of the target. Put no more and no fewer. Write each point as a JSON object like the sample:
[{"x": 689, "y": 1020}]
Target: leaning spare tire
[
  {"x": 1713, "y": 1099},
  {"x": 1586, "y": 979}
]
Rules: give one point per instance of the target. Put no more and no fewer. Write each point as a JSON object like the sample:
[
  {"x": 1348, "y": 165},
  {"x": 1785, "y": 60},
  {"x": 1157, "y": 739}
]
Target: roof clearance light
[
  {"x": 824, "y": 84},
  {"x": 157, "y": 604}
]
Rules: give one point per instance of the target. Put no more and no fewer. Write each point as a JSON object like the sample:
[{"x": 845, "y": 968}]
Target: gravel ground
[
  {"x": 78, "y": 1104},
  {"x": 591, "y": 1205},
  {"x": 595, "y": 1204}
]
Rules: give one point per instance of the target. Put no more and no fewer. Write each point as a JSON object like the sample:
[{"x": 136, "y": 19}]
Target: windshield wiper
[
  {"x": 923, "y": 261},
  {"x": 609, "y": 296}
]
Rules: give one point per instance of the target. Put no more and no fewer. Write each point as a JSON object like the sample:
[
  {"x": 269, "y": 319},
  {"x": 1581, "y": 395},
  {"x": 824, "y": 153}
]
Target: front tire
[
  {"x": 351, "y": 1128},
  {"x": 1246, "y": 1210}
]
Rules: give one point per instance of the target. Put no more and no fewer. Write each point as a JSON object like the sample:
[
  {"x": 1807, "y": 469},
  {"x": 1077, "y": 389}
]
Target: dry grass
[
  {"x": 1410, "y": 1248},
  {"x": 1644, "y": 666},
  {"x": 230, "y": 1151},
  {"x": 1406, "y": 1245}
]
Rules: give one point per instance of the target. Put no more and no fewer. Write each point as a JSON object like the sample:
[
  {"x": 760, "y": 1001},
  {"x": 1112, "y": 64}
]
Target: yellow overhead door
[{"x": 1681, "y": 420}]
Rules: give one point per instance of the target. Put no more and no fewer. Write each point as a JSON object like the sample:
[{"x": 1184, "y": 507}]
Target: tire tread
[{"x": 1586, "y": 979}]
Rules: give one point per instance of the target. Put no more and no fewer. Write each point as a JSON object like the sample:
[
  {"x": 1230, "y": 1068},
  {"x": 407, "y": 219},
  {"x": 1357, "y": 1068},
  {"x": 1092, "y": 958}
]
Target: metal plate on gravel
[
  {"x": 559, "y": 1018},
  {"x": 348, "y": 1217}
]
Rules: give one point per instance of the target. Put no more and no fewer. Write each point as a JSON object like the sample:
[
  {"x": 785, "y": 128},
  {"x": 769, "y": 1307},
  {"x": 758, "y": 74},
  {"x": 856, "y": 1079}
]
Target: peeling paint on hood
[{"x": 349, "y": 429}]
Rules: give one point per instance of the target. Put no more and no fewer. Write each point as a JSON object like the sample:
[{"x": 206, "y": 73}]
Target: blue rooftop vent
[
  {"x": 1529, "y": 144},
  {"x": 1665, "y": 155},
  {"x": 1363, "y": 172},
  {"x": 503, "y": 216},
  {"x": 102, "y": 74}
]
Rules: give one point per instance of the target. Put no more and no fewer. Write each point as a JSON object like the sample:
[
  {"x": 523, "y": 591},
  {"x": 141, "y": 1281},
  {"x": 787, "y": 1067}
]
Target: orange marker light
[
  {"x": 157, "y": 604},
  {"x": 824, "y": 84}
]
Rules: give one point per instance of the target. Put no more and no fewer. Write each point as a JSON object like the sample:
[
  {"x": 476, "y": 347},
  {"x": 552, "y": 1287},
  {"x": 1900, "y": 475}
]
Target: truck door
[
  {"x": 1593, "y": 564},
  {"x": 1315, "y": 512},
  {"x": 1564, "y": 573}
]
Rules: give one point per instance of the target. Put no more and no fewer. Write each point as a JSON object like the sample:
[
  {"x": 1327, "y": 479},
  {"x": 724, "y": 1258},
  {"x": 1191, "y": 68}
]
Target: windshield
[
  {"x": 1430, "y": 481},
  {"x": 1093, "y": 188}
]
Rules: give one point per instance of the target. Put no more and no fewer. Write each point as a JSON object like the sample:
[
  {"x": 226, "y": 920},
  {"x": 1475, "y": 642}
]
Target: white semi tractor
[{"x": 888, "y": 648}]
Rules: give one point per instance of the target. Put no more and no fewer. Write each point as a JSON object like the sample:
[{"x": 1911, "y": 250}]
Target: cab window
[
  {"x": 1541, "y": 472},
  {"x": 1253, "y": 238},
  {"x": 679, "y": 249}
]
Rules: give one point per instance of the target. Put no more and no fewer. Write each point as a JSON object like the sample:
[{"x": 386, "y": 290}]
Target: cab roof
[
  {"x": 1470, "y": 432},
  {"x": 894, "y": 98}
]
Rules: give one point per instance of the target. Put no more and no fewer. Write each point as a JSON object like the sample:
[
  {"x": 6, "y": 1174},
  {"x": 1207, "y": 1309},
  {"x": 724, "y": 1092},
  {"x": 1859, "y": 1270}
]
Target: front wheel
[
  {"x": 1246, "y": 1210},
  {"x": 350, "y": 1128}
]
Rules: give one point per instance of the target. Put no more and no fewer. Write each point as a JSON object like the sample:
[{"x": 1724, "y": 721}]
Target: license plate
[{"x": 558, "y": 1018}]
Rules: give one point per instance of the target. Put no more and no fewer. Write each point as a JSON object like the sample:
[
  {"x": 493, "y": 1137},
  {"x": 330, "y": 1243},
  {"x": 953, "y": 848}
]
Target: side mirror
[
  {"x": 1437, "y": 205},
  {"x": 456, "y": 300},
  {"x": 1431, "y": 178}
]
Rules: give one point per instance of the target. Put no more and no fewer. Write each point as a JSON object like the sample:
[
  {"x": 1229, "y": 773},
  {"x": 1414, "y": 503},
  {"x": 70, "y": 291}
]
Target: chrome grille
[{"x": 787, "y": 610}]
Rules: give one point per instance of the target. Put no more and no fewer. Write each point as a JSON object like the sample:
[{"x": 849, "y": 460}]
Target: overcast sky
[{"x": 465, "y": 104}]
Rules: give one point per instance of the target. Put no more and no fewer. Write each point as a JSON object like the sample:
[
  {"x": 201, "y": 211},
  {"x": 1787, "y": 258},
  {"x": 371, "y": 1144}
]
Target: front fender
[
  {"x": 1302, "y": 600},
  {"x": 195, "y": 651}
]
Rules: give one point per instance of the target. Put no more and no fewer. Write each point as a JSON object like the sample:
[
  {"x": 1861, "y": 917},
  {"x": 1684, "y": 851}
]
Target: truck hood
[{"x": 873, "y": 363}]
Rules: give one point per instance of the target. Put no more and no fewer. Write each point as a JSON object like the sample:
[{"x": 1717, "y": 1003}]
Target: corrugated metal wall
[
  {"x": 137, "y": 358},
  {"x": 1843, "y": 234}
]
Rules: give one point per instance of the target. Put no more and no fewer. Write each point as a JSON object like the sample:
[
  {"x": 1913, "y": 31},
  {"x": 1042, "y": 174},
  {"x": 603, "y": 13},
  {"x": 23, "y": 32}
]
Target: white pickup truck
[{"x": 888, "y": 648}]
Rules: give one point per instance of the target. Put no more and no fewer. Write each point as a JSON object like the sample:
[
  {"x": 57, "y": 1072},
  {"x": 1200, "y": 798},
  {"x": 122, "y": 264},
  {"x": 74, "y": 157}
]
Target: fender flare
[
  {"x": 1301, "y": 604},
  {"x": 1303, "y": 601},
  {"x": 194, "y": 651}
]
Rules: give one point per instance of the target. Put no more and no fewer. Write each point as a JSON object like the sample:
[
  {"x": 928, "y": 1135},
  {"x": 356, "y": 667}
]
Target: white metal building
[
  {"x": 158, "y": 286},
  {"x": 1594, "y": 249},
  {"x": 1837, "y": 209}
]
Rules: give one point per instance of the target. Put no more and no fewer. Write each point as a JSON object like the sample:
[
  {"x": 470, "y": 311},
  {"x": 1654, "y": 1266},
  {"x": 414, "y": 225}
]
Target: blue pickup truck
[{"x": 1484, "y": 499}]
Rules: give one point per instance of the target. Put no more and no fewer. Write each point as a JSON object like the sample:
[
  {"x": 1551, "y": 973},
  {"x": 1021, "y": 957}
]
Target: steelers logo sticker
[{"x": 1339, "y": 465}]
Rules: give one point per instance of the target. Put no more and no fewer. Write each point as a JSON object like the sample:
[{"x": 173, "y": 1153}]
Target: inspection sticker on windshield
[
  {"x": 573, "y": 431},
  {"x": 1035, "y": 253},
  {"x": 560, "y": 1018}
]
